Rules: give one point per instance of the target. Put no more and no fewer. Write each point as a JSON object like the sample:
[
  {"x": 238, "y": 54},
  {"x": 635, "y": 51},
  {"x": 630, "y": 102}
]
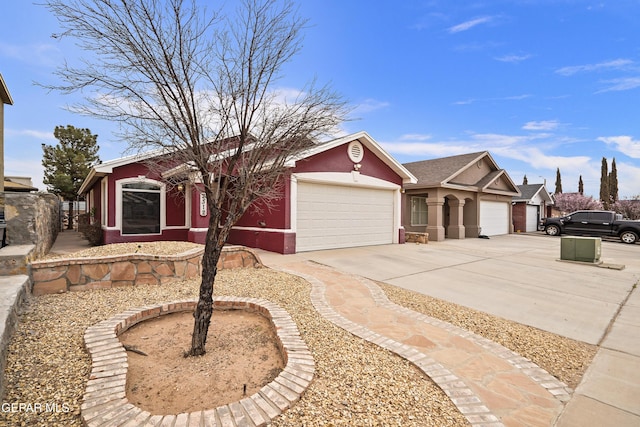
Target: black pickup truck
[{"x": 593, "y": 223}]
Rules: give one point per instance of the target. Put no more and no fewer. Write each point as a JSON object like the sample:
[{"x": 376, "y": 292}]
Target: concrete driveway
[{"x": 519, "y": 277}]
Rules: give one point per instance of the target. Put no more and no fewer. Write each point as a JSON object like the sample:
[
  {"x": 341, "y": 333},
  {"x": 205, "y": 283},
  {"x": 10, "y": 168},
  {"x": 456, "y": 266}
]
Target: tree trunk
[{"x": 204, "y": 308}]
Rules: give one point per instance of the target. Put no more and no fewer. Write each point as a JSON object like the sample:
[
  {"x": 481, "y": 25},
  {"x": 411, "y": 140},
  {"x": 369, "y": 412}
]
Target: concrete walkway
[
  {"x": 490, "y": 385},
  {"x": 516, "y": 277}
]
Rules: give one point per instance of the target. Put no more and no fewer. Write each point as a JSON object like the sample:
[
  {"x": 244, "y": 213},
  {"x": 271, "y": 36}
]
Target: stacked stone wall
[
  {"x": 32, "y": 219},
  {"x": 78, "y": 274}
]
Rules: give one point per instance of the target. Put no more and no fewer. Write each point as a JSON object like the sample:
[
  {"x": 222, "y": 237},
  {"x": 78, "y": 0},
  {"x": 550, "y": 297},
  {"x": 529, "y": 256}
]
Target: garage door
[
  {"x": 532, "y": 218},
  {"x": 335, "y": 216},
  {"x": 494, "y": 218}
]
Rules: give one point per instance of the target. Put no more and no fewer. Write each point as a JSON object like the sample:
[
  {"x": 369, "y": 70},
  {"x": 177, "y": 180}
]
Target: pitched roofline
[
  {"x": 476, "y": 159},
  {"x": 546, "y": 196},
  {"x": 5, "y": 96},
  {"x": 367, "y": 141}
]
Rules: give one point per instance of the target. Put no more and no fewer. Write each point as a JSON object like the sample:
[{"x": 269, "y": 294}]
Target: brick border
[
  {"x": 467, "y": 402},
  {"x": 105, "y": 402}
]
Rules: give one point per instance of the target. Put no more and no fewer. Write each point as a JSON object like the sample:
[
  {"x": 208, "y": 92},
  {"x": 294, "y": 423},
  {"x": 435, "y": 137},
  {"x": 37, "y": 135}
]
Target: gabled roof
[
  {"x": 366, "y": 140},
  {"x": 105, "y": 168},
  {"x": 436, "y": 172},
  {"x": 443, "y": 172},
  {"x": 5, "y": 96},
  {"x": 529, "y": 191}
]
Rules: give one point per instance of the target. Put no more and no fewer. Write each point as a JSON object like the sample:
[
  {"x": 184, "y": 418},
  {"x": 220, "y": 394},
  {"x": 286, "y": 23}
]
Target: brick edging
[
  {"x": 462, "y": 396},
  {"x": 105, "y": 394},
  {"x": 540, "y": 376}
]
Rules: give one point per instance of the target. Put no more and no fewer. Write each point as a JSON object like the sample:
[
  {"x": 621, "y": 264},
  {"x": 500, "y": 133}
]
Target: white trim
[
  {"x": 163, "y": 202},
  {"x": 270, "y": 230},
  {"x": 293, "y": 203},
  {"x": 367, "y": 141},
  {"x": 104, "y": 201},
  {"x": 345, "y": 178},
  {"x": 198, "y": 230}
]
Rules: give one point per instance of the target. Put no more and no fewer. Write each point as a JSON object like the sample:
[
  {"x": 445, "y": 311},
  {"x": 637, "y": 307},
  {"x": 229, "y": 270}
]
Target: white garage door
[
  {"x": 532, "y": 218},
  {"x": 494, "y": 218},
  {"x": 335, "y": 216}
]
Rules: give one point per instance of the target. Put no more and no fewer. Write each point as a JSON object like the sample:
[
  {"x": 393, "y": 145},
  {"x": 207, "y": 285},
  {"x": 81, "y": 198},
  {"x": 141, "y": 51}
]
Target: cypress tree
[
  {"x": 613, "y": 182},
  {"x": 580, "y": 186},
  {"x": 604, "y": 184},
  {"x": 558, "y": 182}
]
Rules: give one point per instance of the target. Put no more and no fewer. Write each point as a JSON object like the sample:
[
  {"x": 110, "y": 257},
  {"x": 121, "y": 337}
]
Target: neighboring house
[
  {"x": 21, "y": 184},
  {"x": 5, "y": 98},
  {"x": 530, "y": 207},
  {"x": 342, "y": 193},
  {"x": 459, "y": 196}
]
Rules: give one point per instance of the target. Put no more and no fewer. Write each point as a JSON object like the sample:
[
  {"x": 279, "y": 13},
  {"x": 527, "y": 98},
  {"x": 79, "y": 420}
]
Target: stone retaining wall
[
  {"x": 32, "y": 219},
  {"x": 77, "y": 274}
]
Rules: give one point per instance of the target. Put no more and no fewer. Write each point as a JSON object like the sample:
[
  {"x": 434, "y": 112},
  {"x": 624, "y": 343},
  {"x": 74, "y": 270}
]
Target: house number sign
[{"x": 203, "y": 204}]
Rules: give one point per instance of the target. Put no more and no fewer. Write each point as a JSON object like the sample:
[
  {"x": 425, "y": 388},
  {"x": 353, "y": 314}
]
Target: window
[
  {"x": 418, "y": 211},
  {"x": 140, "y": 208}
]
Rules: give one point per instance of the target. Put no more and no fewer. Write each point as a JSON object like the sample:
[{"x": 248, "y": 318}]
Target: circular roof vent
[{"x": 355, "y": 151}]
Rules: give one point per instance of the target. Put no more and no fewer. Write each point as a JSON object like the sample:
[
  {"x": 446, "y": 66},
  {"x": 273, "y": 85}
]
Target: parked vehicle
[{"x": 593, "y": 223}]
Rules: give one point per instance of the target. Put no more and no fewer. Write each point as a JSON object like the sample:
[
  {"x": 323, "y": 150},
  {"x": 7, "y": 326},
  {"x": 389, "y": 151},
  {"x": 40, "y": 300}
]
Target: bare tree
[{"x": 199, "y": 87}]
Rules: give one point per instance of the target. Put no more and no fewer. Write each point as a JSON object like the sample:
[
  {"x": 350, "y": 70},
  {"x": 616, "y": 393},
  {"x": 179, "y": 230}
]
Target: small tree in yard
[
  {"x": 570, "y": 202},
  {"x": 68, "y": 163},
  {"x": 199, "y": 88}
]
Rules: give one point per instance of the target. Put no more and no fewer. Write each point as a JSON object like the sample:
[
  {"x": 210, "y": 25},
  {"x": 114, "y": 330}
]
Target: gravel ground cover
[{"x": 356, "y": 383}]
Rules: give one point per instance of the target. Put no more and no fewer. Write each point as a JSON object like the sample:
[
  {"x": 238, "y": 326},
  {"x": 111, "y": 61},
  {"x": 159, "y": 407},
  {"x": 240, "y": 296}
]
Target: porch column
[
  {"x": 435, "y": 218},
  {"x": 456, "y": 218}
]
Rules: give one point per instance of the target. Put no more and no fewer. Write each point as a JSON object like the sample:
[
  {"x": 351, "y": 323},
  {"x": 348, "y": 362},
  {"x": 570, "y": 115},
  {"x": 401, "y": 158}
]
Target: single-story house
[
  {"x": 20, "y": 184},
  {"x": 342, "y": 193},
  {"x": 461, "y": 196},
  {"x": 530, "y": 207}
]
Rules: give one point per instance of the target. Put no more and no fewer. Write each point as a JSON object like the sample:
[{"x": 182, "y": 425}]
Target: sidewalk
[
  {"x": 490, "y": 385},
  {"x": 590, "y": 304}
]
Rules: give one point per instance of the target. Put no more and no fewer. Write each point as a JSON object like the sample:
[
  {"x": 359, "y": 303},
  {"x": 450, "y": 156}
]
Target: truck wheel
[
  {"x": 628, "y": 237},
  {"x": 552, "y": 230}
]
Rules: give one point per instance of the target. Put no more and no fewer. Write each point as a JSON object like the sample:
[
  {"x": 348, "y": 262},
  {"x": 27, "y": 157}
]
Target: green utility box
[{"x": 583, "y": 249}]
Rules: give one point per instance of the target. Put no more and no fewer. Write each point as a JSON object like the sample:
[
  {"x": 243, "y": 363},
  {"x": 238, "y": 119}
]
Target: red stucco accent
[
  {"x": 281, "y": 242},
  {"x": 337, "y": 160}
]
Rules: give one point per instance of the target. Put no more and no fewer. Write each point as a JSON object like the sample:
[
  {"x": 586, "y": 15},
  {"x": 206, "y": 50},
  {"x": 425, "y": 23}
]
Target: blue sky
[{"x": 540, "y": 84}]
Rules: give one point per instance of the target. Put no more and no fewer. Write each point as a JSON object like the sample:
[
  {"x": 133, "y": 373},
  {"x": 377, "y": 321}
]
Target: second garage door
[
  {"x": 337, "y": 216},
  {"x": 494, "y": 218}
]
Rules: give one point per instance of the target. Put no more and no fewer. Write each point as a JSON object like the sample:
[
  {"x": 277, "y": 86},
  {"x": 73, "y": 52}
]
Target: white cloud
[
  {"x": 628, "y": 178},
  {"x": 469, "y": 24},
  {"x": 43, "y": 54},
  {"x": 541, "y": 125},
  {"x": 615, "y": 64},
  {"x": 625, "y": 144},
  {"x": 369, "y": 105},
  {"x": 513, "y": 58},
  {"x": 37, "y": 134},
  {"x": 623, "y": 83}
]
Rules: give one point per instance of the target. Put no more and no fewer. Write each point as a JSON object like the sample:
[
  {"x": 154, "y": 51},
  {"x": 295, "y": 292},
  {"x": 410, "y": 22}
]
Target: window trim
[
  {"x": 411, "y": 211},
  {"x": 119, "y": 203}
]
